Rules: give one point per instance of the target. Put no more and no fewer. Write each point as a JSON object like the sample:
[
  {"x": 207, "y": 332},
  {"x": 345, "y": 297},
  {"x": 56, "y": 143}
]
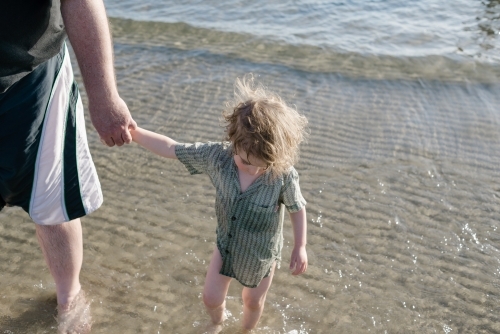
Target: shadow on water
[{"x": 37, "y": 316}]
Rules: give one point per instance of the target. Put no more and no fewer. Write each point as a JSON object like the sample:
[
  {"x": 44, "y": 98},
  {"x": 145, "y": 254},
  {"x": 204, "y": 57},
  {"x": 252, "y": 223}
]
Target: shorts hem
[{"x": 78, "y": 216}]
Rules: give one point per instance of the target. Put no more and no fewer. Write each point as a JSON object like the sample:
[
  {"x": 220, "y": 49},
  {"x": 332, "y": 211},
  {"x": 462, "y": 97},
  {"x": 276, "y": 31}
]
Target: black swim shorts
[{"x": 45, "y": 162}]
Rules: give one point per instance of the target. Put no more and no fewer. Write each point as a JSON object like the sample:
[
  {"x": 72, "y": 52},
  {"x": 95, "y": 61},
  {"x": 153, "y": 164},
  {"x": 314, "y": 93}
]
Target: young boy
[{"x": 253, "y": 174}]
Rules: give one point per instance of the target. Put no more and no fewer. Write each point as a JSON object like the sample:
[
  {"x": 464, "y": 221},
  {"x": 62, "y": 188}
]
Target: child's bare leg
[
  {"x": 215, "y": 289},
  {"x": 253, "y": 301}
]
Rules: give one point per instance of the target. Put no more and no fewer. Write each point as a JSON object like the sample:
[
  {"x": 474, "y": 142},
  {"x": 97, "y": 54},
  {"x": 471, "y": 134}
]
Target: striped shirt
[{"x": 250, "y": 223}]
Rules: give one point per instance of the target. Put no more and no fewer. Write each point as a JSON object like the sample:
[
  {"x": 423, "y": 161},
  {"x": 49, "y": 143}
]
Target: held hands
[
  {"x": 298, "y": 262},
  {"x": 112, "y": 121}
]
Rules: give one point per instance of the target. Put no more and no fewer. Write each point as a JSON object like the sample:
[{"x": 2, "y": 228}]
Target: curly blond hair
[{"x": 261, "y": 124}]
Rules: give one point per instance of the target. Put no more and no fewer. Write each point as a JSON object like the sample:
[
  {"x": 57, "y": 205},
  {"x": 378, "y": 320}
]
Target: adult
[{"x": 45, "y": 163}]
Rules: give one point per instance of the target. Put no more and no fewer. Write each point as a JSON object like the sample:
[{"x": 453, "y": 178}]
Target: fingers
[
  {"x": 116, "y": 140},
  {"x": 132, "y": 125},
  {"x": 126, "y": 136},
  {"x": 113, "y": 121},
  {"x": 300, "y": 269},
  {"x": 123, "y": 137},
  {"x": 108, "y": 141},
  {"x": 297, "y": 267}
]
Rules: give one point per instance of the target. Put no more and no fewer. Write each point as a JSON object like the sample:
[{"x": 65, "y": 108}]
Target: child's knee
[
  {"x": 253, "y": 303},
  {"x": 211, "y": 301}
]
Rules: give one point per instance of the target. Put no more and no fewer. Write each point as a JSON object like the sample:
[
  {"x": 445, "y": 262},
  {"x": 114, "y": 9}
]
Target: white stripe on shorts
[{"x": 47, "y": 206}]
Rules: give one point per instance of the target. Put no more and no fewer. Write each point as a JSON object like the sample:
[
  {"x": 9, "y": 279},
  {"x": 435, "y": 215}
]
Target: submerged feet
[
  {"x": 75, "y": 318},
  {"x": 219, "y": 313},
  {"x": 210, "y": 328}
]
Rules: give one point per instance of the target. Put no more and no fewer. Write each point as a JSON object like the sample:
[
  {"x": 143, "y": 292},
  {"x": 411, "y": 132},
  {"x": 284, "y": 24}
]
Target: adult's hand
[{"x": 112, "y": 121}]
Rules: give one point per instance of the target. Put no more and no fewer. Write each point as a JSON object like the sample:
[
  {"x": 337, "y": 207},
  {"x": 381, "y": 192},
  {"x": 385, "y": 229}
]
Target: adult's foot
[{"x": 74, "y": 318}]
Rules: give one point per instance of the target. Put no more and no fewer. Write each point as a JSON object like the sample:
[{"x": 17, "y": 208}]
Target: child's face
[{"x": 249, "y": 165}]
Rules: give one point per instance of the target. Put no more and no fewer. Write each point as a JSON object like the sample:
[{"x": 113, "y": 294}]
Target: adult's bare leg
[{"x": 62, "y": 247}]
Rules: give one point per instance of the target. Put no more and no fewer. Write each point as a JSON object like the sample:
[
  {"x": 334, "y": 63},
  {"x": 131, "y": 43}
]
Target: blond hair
[{"x": 260, "y": 123}]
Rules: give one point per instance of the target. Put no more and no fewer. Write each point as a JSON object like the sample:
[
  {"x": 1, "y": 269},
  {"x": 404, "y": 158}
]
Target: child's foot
[
  {"x": 210, "y": 328},
  {"x": 75, "y": 318}
]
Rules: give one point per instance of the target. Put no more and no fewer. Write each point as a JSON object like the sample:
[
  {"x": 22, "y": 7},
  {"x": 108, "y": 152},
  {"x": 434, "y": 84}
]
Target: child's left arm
[{"x": 298, "y": 262}]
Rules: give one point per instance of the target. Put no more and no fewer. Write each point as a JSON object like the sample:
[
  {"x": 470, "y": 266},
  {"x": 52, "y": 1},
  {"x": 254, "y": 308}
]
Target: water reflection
[
  {"x": 492, "y": 14},
  {"x": 489, "y": 24},
  {"x": 480, "y": 40}
]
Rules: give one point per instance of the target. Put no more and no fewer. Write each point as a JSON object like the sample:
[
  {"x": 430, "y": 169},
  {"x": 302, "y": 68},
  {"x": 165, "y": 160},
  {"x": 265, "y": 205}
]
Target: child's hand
[
  {"x": 133, "y": 133},
  {"x": 298, "y": 262}
]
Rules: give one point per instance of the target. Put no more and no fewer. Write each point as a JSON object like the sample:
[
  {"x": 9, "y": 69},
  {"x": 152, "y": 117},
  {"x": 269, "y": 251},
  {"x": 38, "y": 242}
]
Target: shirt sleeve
[
  {"x": 291, "y": 196},
  {"x": 197, "y": 157}
]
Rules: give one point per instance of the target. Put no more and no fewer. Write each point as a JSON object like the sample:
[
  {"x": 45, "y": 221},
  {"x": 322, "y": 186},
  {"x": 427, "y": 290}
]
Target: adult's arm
[{"x": 87, "y": 27}]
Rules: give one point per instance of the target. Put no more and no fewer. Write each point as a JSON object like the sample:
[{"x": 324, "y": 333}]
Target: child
[{"x": 254, "y": 178}]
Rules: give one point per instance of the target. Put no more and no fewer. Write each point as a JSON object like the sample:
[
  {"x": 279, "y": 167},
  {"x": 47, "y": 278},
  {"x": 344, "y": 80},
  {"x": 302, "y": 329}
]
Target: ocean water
[{"x": 400, "y": 170}]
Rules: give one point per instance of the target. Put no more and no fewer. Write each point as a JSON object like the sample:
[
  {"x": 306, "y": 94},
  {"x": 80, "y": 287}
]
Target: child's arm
[
  {"x": 156, "y": 143},
  {"x": 298, "y": 262}
]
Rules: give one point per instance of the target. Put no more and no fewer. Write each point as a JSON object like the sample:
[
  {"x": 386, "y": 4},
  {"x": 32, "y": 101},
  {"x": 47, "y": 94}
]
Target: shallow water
[{"x": 399, "y": 173}]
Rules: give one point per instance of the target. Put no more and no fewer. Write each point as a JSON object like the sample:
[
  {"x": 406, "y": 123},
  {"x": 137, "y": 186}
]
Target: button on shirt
[{"x": 250, "y": 223}]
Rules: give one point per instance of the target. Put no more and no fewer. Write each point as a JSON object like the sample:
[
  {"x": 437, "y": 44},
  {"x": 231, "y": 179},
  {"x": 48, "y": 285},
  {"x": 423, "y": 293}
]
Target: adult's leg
[
  {"x": 46, "y": 169},
  {"x": 62, "y": 247},
  {"x": 253, "y": 301},
  {"x": 215, "y": 289}
]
